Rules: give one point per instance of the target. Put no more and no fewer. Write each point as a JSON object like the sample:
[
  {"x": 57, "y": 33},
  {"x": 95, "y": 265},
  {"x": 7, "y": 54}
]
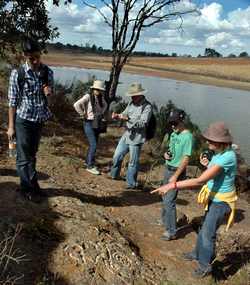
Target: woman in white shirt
[{"x": 91, "y": 107}]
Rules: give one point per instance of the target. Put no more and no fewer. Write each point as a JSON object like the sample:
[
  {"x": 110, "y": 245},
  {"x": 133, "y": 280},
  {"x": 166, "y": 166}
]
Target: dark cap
[
  {"x": 30, "y": 45},
  {"x": 176, "y": 115}
]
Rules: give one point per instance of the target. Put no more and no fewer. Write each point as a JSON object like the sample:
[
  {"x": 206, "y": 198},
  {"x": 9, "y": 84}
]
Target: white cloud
[
  {"x": 212, "y": 28},
  {"x": 218, "y": 39}
]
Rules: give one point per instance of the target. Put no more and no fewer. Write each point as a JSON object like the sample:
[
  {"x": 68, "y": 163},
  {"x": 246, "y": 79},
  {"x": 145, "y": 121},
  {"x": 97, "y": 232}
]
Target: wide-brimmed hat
[
  {"x": 99, "y": 85},
  {"x": 218, "y": 132},
  {"x": 135, "y": 89}
]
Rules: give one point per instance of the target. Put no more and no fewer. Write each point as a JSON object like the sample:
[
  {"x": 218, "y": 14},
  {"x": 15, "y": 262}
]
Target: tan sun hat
[
  {"x": 135, "y": 89},
  {"x": 99, "y": 85},
  {"x": 218, "y": 132}
]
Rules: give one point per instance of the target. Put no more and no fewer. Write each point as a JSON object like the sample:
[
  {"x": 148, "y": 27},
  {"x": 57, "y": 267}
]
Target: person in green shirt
[{"x": 177, "y": 159}]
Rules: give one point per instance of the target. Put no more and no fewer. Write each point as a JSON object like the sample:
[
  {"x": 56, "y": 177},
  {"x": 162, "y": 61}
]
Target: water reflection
[{"x": 204, "y": 103}]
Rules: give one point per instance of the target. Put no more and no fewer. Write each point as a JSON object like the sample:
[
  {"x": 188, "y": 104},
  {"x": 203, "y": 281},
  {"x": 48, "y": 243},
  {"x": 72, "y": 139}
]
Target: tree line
[{"x": 94, "y": 49}]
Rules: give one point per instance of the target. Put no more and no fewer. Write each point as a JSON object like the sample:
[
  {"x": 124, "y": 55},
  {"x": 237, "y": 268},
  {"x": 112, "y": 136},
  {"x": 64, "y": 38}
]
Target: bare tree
[{"x": 129, "y": 19}]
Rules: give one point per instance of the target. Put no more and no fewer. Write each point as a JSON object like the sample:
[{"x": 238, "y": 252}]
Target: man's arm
[
  {"x": 13, "y": 94},
  {"x": 11, "y": 126}
]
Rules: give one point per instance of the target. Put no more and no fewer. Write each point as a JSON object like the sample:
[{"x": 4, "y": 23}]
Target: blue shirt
[
  {"x": 30, "y": 102},
  {"x": 224, "y": 181}
]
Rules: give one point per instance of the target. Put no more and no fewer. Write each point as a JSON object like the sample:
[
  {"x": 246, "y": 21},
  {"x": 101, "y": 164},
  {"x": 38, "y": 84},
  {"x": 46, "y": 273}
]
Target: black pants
[{"x": 28, "y": 136}]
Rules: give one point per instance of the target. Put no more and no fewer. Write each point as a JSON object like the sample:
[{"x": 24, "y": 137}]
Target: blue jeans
[
  {"x": 204, "y": 251},
  {"x": 92, "y": 137},
  {"x": 28, "y": 136},
  {"x": 168, "y": 214},
  {"x": 134, "y": 154}
]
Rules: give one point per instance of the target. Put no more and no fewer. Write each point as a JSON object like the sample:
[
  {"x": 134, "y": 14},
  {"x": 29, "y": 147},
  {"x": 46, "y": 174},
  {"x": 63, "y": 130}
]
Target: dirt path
[{"x": 91, "y": 231}]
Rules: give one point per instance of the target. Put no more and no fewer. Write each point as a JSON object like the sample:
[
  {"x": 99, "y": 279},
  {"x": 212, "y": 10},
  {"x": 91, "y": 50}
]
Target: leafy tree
[
  {"x": 209, "y": 52},
  {"x": 231, "y": 55},
  {"x": 129, "y": 18},
  {"x": 243, "y": 54},
  {"x": 22, "y": 18}
]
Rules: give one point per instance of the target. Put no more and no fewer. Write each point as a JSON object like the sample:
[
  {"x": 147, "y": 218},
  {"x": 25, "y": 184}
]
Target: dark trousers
[{"x": 28, "y": 136}]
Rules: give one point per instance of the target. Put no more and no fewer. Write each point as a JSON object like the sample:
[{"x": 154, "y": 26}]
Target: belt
[{"x": 171, "y": 168}]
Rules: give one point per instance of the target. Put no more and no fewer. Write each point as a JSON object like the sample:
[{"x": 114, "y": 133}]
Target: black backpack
[{"x": 152, "y": 124}]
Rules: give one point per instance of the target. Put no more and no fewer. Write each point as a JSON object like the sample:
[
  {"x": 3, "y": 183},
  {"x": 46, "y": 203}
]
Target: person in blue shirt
[
  {"x": 28, "y": 110},
  {"x": 217, "y": 194}
]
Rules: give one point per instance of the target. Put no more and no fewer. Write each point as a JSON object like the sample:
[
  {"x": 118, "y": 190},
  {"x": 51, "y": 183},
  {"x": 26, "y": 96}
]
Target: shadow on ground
[{"x": 37, "y": 238}]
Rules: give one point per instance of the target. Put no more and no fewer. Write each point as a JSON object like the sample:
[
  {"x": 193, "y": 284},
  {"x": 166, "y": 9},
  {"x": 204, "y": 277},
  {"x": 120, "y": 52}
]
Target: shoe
[
  {"x": 189, "y": 256},
  {"x": 159, "y": 222},
  {"x": 93, "y": 170},
  {"x": 130, "y": 187},
  {"x": 200, "y": 273},
  {"x": 117, "y": 178},
  {"x": 31, "y": 196},
  {"x": 166, "y": 236},
  {"x": 38, "y": 191}
]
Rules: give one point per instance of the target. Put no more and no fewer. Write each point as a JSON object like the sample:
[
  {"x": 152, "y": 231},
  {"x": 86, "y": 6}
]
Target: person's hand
[
  {"x": 11, "y": 133},
  {"x": 47, "y": 90},
  {"x": 167, "y": 156},
  {"x": 204, "y": 161},
  {"x": 114, "y": 116},
  {"x": 163, "y": 189}
]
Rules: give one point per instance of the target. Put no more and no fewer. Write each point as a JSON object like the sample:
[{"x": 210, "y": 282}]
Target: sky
[{"x": 223, "y": 25}]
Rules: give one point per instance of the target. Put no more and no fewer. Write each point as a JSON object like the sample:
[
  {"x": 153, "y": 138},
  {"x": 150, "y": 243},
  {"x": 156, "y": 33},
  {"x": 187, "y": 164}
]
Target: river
[{"x": 205, "y": 104}]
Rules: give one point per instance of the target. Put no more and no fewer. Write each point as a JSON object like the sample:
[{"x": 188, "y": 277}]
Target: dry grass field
[{"x": 233, "y": 73}]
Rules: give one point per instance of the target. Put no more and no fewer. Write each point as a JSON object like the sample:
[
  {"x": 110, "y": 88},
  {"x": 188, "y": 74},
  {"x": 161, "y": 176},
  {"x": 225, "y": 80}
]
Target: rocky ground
[{"x": 90, "y": 230}]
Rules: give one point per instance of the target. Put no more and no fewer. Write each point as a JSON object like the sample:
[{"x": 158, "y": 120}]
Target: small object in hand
[
  {"x": 169, "y": 154},
  {"x": 46, "y": 90},
  {"x": 12, "y": 148},
  {"x": 208, "y": 154}
]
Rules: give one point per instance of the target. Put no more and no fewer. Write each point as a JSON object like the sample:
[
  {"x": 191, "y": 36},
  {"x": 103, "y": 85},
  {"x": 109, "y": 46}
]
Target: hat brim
[
  {"x": 93, "y": 87},
  {"x": 216, "y": 139},
  {"x": 144, "y": 91}
]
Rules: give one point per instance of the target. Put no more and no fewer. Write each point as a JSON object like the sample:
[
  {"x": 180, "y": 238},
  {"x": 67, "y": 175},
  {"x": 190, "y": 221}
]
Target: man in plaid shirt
[{"x": 28, "y": 110}]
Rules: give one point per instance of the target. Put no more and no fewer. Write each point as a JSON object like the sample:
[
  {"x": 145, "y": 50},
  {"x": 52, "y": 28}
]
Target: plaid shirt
[{"x": 30, "y": 102}]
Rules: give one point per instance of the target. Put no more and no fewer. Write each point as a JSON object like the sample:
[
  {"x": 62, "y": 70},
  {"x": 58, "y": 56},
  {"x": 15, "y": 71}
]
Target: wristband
[{"x": 175, "y": 185}]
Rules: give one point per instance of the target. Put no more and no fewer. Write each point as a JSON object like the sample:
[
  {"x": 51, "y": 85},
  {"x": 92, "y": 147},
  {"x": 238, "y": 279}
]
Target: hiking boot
[
  {"x": 159, "y": 222},
  {"x": 189, "y": 256},
  {"x": 93, "y": 170},
  {"x": 201, "y": 273},
  {"x": 38, "y": 191},
  {"x": 117, "y": 178},
  {"x": 166, "y": 236},
  {"x": 30, "y": 196},
  {"x": 130, "y": 187}
]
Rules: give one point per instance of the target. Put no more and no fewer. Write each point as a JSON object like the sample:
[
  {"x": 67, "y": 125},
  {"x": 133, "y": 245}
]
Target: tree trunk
[{"x": 113, "y": 82}]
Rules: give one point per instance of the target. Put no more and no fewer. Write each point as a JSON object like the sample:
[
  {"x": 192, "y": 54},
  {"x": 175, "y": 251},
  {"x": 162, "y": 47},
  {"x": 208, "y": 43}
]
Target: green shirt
[{"x": 180, "y": 145}]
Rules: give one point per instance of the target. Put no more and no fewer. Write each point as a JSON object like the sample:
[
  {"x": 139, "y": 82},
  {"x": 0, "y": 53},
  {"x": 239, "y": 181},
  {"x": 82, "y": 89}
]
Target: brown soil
[
  {"x": 90, "y": 230},
  {"x": 232, "y": 73}
]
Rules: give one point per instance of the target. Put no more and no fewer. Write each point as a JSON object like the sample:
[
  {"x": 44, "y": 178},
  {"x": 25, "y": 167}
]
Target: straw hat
[
  {"x": 135, "y": 89},
  {"x": 218, "y": 132},
  {"x": 99, "y": 85}
]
